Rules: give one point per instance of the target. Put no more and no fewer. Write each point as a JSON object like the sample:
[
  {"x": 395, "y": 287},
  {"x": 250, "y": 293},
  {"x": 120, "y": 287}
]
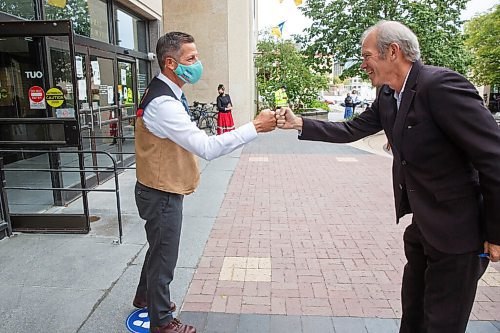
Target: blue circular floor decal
[{"x": 138, "y": 321}]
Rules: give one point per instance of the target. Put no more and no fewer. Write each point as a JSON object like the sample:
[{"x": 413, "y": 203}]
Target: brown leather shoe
[
  {"x": 175, "y": 326},
  {"x": 140, "y": 303}
]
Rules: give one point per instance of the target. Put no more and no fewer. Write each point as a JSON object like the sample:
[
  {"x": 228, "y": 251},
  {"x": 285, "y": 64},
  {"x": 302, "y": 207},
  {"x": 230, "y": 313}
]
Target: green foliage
[
  {"x": 281, "y": 63},
  {"x": 483, "y": 40},
  {"x": 318, "y": 105},
  {"x": 75, "y": 10},
  {"x": 336, "y": 80},
  {"x": 338, "y": 25},
  {"x": 20, "y": 8}
]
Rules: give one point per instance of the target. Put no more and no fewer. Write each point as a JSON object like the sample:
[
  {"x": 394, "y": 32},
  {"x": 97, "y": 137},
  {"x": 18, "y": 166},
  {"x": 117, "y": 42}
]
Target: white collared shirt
[
  {"x": 399, "y": 95},
  {"x": 166, "y": 117}
]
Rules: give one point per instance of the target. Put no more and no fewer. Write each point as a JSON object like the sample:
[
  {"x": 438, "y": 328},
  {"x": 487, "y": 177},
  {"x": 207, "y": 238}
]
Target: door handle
[
  {"x": 100, "y": 118},
  {"x": 92, "y": 119}
]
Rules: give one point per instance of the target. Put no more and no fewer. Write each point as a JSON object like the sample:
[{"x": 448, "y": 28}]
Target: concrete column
[{"x": 224, "y": 35}]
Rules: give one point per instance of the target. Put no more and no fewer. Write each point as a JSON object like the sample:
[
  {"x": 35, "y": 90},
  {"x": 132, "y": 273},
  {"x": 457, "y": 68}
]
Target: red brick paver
[{"x": 328, "y": 227}]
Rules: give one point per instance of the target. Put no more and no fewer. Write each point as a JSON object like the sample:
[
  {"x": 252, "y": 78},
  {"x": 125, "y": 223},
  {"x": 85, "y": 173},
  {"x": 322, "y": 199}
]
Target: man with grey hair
[
  {"x": 166, "y": 142},
  {"x": 446, "y": 167}
]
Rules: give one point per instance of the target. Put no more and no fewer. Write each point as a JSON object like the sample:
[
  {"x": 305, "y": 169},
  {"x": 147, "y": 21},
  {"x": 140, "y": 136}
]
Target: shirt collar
[
  {"x": 399, "y": 95},
  {"x": 175, "y": 88}
]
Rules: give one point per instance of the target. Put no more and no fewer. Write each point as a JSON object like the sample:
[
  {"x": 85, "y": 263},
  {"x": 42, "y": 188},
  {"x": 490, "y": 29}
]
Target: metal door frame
[
  {"x": 78, "y": 222},
  {"x": 90, "y": 51}
]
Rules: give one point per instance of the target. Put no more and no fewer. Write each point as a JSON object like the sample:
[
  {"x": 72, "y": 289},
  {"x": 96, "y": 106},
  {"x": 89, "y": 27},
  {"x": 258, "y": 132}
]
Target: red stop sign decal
[{"x": 36, "y": 94}]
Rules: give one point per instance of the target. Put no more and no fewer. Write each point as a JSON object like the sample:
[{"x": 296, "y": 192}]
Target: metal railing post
[
  {"x": 82, "y": 169},
  {"x": 3, "y": 199}
]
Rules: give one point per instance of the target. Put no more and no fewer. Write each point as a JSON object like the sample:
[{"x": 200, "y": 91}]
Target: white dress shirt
[
  {"x": 399, "y": 95},
  {"x": 166, "y": 117}
]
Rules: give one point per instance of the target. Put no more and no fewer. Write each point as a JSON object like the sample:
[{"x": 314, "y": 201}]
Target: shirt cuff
[{"x": 248, "y": 132}]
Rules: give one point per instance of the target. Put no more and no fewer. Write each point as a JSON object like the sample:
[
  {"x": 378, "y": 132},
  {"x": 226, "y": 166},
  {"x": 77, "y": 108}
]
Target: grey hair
[
  {"x": 389, "y": 32},
  {"x": 169, "y": 45}
]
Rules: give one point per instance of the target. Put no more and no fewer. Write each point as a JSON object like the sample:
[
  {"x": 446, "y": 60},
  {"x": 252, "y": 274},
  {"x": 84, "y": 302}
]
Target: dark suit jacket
[{"x": 446, "y": 147}]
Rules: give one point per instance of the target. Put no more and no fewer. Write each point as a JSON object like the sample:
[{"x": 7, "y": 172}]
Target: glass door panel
[
  {"x": 105, "y": 109},
  {"x": 23, "y": 85},
  {"x": 127, "y": 98}
]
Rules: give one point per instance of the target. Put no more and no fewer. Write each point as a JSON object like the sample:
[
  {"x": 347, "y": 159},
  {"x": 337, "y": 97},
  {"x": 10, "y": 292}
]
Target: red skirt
[{"x": 225, "y": 122}]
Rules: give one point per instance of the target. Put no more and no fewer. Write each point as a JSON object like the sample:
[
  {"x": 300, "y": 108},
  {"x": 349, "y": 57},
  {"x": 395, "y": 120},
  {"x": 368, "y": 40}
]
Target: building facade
[
  {"x": 226, "y": 37},
  {"x": 72, "y": 73}
]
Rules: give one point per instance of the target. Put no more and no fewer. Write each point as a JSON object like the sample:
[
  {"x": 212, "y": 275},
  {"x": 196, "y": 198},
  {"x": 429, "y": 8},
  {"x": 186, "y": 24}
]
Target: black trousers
[
  {"x": 438, "y": 288},
  {"x": 163, "y": 214}
]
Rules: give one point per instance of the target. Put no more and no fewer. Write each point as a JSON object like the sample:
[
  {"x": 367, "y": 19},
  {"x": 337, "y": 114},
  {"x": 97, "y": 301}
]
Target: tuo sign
[{"x": 34, "y": 74}]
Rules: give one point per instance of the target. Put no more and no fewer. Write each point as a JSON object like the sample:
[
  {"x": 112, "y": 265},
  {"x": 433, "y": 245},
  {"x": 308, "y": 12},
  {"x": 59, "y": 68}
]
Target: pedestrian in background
[
  {"x": 446, "y": 167},
  {"x": 225, "y": 122},
  {"x": 348, "y": 104},
  {"x": 166, "y": 142},
  {"x": 355, "y": 101},
  {"x": 281, "y": 97}
]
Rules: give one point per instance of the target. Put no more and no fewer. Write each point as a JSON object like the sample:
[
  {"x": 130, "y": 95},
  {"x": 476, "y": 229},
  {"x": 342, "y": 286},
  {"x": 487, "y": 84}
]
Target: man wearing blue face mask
[{"x": 166, "y": 142}]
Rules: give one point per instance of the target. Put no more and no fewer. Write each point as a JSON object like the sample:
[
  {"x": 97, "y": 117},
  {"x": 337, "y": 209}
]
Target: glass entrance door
[
  {"x": 38, "y": 119},
  {"x": 99, "y": 110},
  {"x": 127, "y": 97},
  {"x": 36, "y": 85}
]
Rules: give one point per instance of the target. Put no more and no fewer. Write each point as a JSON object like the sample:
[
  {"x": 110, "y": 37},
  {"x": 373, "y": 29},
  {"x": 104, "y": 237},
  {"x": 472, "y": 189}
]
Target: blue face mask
[{"x": 189, "y": 73}]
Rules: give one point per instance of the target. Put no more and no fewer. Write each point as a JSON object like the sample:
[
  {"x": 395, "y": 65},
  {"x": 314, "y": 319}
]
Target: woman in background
[{"x": 225, "y": 121}]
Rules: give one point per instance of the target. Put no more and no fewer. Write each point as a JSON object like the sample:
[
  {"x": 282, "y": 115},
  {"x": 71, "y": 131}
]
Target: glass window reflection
[
  {"x": 89, "y": 17},
  {"x": 19, "y": 8},
  {"x": 130, "y": 31}
]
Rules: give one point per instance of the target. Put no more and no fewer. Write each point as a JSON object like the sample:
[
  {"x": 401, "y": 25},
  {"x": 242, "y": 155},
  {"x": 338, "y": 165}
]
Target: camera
[{"x": 151, "y": 56}]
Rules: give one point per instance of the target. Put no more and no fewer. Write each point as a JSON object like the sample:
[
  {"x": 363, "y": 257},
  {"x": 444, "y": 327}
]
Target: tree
[
  {"x": 75, "y": 10},
  {"x": 22, "y": 9},
  {"x": 338, "y": 25},
  {"x": 281, "y": 63},
  {"x": 483, "y": 40}
]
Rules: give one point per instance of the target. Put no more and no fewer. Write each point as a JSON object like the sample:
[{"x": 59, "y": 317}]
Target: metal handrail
[{"x": 80, "y": 153}]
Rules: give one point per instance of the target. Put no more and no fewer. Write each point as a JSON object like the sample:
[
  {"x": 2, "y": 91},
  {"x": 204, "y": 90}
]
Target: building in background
[
  {"x": 338, "y": 91},
  {"x": 226, "y": 37},
  {"x": 72, "y": 73}
]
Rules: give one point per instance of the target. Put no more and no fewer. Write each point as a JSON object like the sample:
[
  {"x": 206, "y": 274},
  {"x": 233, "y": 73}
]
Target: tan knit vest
[{"x": 162, "y": 164}]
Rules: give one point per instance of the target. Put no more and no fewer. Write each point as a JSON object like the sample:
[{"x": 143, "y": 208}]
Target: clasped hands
[{"x": 267, "y": 120}]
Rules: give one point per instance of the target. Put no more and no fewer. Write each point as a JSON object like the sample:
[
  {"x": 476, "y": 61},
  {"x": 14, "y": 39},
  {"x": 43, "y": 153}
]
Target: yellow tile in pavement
[
  {"x": 258, "y": 159},
  {"x": 239, "y": 274},
  {"x": 238, "y": 262},
  {"x": 226, "y": 274},
  {"x": 258, "y": 275},
  {"x": 346, "y": 159},
  {"x": 253, "y": 262},
  {"x": 246, "y": 269},
  {"x": 265, "y": 263}
]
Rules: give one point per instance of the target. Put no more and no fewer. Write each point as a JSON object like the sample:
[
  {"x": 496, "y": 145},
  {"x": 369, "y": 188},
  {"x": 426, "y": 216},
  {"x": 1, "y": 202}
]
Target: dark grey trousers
[
  {"x": 438, "y": 288},
  {"x": 163, "y": 214}
]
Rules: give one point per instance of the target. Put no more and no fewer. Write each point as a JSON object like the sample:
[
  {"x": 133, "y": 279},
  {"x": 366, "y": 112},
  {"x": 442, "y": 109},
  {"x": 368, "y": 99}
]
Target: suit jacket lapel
[
  {"x": 406, "y": 100},
  {"x": 392, "y": 109},
  {"x": 388, "y": 108}
]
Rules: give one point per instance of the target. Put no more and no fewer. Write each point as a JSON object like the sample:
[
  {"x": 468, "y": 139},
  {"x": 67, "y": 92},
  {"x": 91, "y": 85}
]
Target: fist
[
  {"x": 285, "y": 119},
  {"x": 265, "y": 121}
]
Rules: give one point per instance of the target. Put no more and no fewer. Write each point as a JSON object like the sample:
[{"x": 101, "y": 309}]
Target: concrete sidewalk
[
  {"x": 85, "y": 283},
  {"x": 284, "y": 236}
]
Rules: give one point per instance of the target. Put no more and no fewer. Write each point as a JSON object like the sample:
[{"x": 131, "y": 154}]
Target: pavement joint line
[{"x": 108, "y": 290}]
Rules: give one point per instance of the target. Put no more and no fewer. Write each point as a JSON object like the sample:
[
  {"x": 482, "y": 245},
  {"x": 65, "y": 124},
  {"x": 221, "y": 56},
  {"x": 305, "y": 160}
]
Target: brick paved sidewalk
[{"x": 308, "y": 229}]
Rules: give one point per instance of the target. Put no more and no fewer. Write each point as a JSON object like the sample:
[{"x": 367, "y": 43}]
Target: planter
[{"x": 319, "y": 114}]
